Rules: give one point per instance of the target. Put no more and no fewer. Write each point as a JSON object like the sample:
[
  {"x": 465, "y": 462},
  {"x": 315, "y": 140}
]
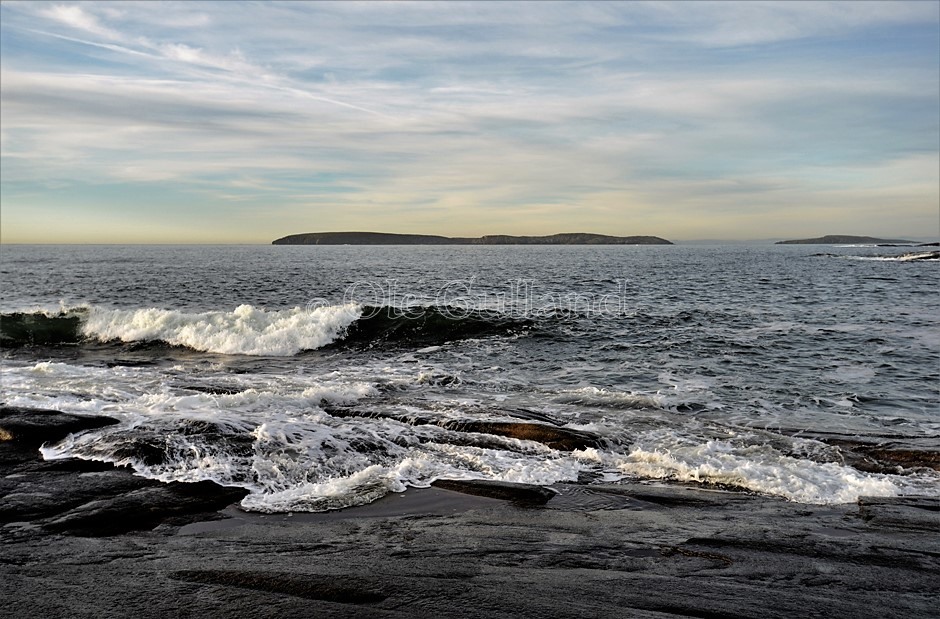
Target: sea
[{"x": 323, "y": 377}]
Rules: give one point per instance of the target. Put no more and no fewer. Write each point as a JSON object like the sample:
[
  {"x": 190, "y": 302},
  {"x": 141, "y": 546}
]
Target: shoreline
[
  {"x": 413, "y": 502},
  {"x": 436, "y": 553},
  {"x": 83, "y": 539}
]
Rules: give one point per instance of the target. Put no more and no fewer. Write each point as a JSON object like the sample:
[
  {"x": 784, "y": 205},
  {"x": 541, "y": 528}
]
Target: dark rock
[
  {"x": 130, "y": 363},
  {"x": 40, "y": 493},
  {"x": 905, "y": 458},
  {"x": 562, "y": 439},
  {"x": 883, "y": 457},
  {"x": 33, "y": 426},
  {"x": 524, "y": 494},
  {"x": 604, "y": 550},
  {"x": 901, "y": 512},
  {"x": 83, "y": 497},
  {"x": 213, "y": 389},
  {"x": 145, "y": 508},
  {"x": 95, "y": 498},
  {"x": 310, "y": 586},
  {"x": 693, "y": 553}
]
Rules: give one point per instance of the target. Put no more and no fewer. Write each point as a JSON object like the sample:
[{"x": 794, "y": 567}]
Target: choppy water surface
[{"x": 322, "y": 377}]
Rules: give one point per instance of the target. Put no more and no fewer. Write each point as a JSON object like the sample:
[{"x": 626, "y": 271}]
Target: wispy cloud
[
  {"x": 476, "y": 117},
  {"x": 74, "y": 16}
]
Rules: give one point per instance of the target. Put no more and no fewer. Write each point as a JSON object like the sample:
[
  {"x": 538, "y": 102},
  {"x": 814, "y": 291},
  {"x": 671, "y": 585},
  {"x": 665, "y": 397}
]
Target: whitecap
[{"x": 246, "y": 330}]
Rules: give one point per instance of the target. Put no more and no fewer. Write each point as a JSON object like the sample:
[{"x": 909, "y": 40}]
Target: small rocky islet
[
  {"x": 846, "y": 239},
  {"x": 384, "y": 238}
]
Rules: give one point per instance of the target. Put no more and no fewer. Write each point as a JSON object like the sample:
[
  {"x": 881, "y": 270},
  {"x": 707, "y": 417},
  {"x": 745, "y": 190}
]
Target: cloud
[
  {"x": 76, "y": 17},
  {"x": 748, "y": 23},
  {"x": 472, "y": 114}
]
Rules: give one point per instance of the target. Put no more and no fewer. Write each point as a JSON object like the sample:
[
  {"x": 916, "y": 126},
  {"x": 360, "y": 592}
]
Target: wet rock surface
[
  {"x": 897, "y": 455},
  {"x": 82, "y": 539},
  {"x": 562, "y": 439},
  {"x": 33, "y": 427},
  {"x": 80, "y": 497},
  {"x": 522, "y": 494}
]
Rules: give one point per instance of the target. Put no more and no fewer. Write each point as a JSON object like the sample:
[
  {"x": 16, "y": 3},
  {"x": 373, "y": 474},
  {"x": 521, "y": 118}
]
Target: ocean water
[{"x": 326, "y": 377}]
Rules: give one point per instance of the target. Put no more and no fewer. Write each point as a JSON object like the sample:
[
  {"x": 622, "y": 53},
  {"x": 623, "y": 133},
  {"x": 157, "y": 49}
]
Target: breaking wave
[
  {"x": 41, "y": 328},
  {"x": 908, "y": 257},
  {"x": 314, "y": 461},
  {"x": 249, "y": 330}
]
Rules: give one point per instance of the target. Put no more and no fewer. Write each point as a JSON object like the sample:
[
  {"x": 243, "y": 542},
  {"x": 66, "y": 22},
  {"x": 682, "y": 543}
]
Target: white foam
[
  {"x": 49, "y": 310},
  {"x": 269, "y": 434},
  {"x": 608, "y": 398},
  {"x": 851, "y": 373},
  {"x": 926, "y": 255},
  {"x": 359, "y": 488},
  {"x": 686, "y": 385},
  {"x": 245, "y": 331},
  {"x": 909, "y": 257},
  {"x": 315, "y": 462},
  {"x": 144, "y": 393},
  {"x": 759, "y": 468}
]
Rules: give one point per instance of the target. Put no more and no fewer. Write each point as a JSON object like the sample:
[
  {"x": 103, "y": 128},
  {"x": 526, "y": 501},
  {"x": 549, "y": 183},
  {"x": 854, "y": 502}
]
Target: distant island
[
  {"x": 383, "y": 238},
  {"x": 842, "y": 239}
]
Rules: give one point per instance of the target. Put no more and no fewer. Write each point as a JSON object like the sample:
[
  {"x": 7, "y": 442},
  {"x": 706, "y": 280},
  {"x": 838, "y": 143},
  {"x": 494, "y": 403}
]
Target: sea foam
[
  {"x": 756, "y": 468},
  {"x": 246, "y": 330}
]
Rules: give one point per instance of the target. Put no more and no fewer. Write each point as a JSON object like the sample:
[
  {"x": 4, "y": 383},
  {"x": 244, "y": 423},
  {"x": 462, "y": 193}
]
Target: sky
[{"x": 240, "y": 122}]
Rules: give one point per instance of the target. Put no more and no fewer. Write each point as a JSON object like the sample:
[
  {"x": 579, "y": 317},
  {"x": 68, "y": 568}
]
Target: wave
[
  {"x": 426, "y": 326},
  {"x": 315, "y": 461},
  {"x": 41, "y": 328},
  {"x": 756, "y": 468},
  {"x": 302, "y": 442},
  {"x": 908, "y": 257},
  {"x": 248, "y": 330},
  {"x": 245, "y": 331},
  {"x": 604, "y": 398}
]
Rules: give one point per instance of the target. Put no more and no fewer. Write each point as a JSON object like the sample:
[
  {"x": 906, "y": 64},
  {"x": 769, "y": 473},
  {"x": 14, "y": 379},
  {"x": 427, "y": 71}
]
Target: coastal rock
[
  {"x": 33, "y": 426},
  {"x": 104, "y": 502},
  {"x": 883, "y": 458},
  {"x": 562, "y": 439},
  {"x": 524, "y": 494},
  {"x": 144, "y": 508},
  {"x": 309, "y": 586},
  {"x": 691, "y": 553},
  {"x": 87, "y": 498},
  {"x": 901, "y": 512},
  {"x": 39, "y": 492}
]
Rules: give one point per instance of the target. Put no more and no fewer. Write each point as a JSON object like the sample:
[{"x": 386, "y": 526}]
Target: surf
[{"x": 255, "y": 331}]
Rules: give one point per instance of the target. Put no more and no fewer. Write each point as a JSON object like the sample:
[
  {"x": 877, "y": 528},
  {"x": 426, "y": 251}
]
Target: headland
[{"x": 385, "y": 238}]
